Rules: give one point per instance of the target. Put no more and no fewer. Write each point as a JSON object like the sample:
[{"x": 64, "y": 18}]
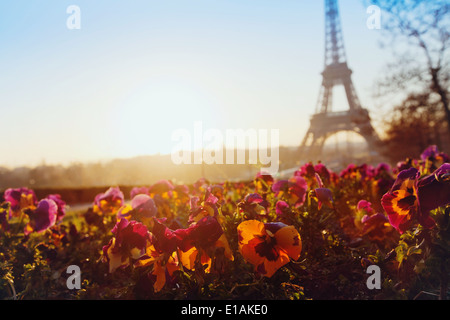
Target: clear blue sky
[{"x": 138, "y": 70}]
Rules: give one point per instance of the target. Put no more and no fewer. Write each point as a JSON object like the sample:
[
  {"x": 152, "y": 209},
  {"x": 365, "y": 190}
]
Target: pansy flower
[
  {"x": 61, "y": 205},
  {"x": 43, "y": 217},
  {"x": 281, "y": 208},
  {"x": 293, "y": 190},
  {"x": 434, "y": 191},
  {"x": 376, "y": 227},
  {"x": 200, "y": 242},
  {"x": 323, "y": 172},
  {"x": 323, "y": 195},
  {"x": 161, "y": 192},
  {"x": 433, "y": 158},
  {"x": 129, "y": 242},
  {"x": 411, "y": 197},
  {"x": 165, "y": 239},
  {"x": 19, "y": 199},
  {"x": 306, "y": 171},
  {"x": 309, "y": 172},
  {"x": 143, "y": 205},
  {"x": 161, "y": 253},
  {"x": 180, "y": 194},
  {"x": 108, "y": 202},
  {"x": 363, "y": 208},
  {"x": 361, "y": 172},
  {"x": 349, "y": 172},
  {"x": 163, "y": 188},
  {"x": 268, "y": 246},
  {"x": 403, "y": 165},
  {"x": 263, "y": 181},
  {"x": 253, "y": 205},
  {"x": 207, "y": 207},
  {"x": 401, "y": 202},
  {"x": 141, "y": 208},
  {"x": 163, "y": 266}
]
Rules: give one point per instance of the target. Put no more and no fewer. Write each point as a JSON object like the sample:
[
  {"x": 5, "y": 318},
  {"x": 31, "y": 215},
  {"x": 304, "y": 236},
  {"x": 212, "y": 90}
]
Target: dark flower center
[
  {"x": 267, "y": 249},
  {"x": 406, "y": 202}
]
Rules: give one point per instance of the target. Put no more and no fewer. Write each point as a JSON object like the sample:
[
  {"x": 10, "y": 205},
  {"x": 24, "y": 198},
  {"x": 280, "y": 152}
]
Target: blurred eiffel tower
[{"x": 325, "y": 122}]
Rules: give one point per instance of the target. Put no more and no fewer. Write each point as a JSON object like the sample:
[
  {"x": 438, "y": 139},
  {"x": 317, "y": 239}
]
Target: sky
[{"x": 136, "y": 71}]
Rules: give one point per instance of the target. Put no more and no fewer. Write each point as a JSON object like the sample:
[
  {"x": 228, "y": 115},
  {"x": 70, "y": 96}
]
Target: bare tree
[
  {"x": 413, "y": 125},
  {"x": 418, "y": 32}
]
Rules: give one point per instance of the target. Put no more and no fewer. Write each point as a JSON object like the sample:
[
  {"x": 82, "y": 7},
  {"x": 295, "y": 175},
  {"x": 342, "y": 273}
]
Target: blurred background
[{"x": 97, "y": 105}]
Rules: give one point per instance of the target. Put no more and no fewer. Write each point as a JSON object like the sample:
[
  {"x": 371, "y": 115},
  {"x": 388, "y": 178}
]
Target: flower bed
[{"x": 312, "y": 236}]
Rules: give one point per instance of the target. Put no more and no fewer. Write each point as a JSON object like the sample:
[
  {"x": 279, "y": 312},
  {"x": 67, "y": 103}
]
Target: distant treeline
[{"x": 138, "y": 171}]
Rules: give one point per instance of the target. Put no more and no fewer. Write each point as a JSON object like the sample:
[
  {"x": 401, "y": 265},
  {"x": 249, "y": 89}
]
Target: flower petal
[
  {"x": 269, "y": 267},
  {"x": 289, "y": 240},
  {"x": 434, "y": 190},
  {"x": 248, "y": 230},
  {"x": 43, "y": 217}
]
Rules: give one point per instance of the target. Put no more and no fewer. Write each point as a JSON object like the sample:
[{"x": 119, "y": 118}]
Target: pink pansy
[
  {"x": 310, "y": 171},
  {"x": 164, "y": 240},
  {"x": 281, "y": 208},
  {"x": 207, "y": 207},
  {"x": 323, "y": 172},
  {"x": 294, "y": 190},
  {"x": 141, "y": 207},
  {"x": 307, "y": 170},
  {"x": 365, "y": 206},
  {"x": 61, "y": 205},
  {"x": 376, "y": 227},
  {"x": 43, "y": 217},
  {"x": 144, "y": 205},
  {"x": 20, "y": 198},
  {"x": 108, "y": 202}
]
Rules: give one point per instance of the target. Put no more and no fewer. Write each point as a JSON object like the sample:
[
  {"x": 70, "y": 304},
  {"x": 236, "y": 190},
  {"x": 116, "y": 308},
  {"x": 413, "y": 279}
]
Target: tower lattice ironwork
[{"x": 325, "y": 122}]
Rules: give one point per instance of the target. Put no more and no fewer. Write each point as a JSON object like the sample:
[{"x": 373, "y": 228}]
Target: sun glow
[{"x": 146, "y": 117}]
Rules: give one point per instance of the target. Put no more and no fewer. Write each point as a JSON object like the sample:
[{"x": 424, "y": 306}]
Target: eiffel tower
[{"x": 325, "y": 122}]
